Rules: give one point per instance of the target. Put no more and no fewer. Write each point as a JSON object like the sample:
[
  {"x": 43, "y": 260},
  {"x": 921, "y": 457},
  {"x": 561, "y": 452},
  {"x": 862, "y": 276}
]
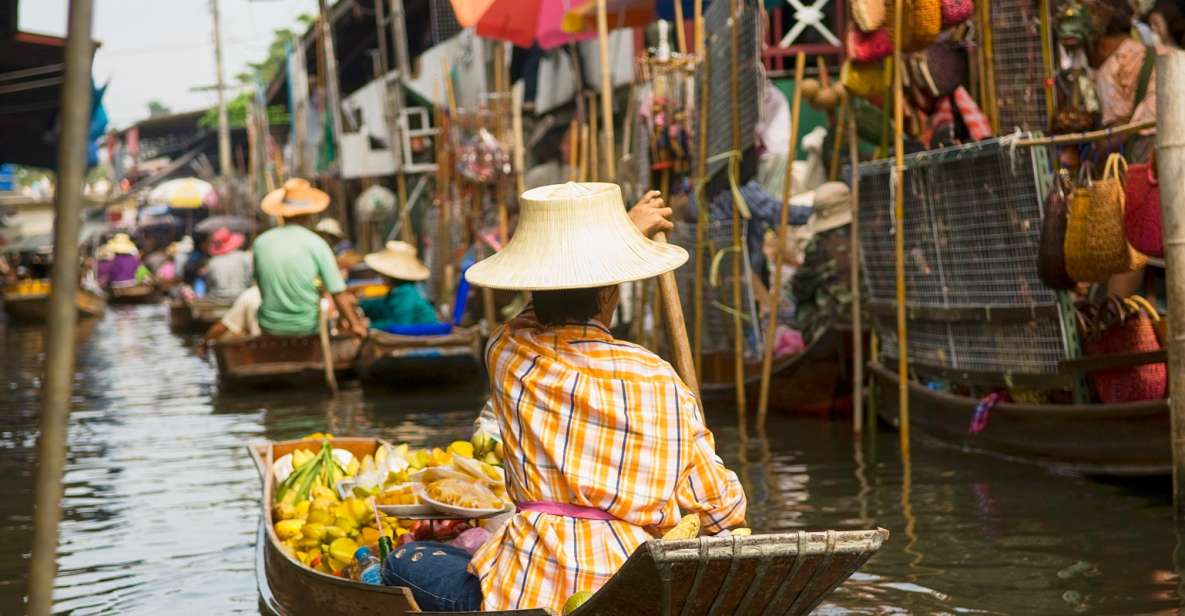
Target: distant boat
[
  {"x": 451, "y": 358},
  {"x": 196, "y": 315},
  {"x": 28, "y": 301},
  {"x": 281, "y": 360},
  {"x": 136, "y": 293}
]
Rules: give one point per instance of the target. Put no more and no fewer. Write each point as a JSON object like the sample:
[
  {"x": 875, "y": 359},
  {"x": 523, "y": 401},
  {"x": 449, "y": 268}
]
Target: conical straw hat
[
  {"x": 295, "y": 198},
  {"x": 398, "y": 261},
  {"x": 574, "y": 236}
]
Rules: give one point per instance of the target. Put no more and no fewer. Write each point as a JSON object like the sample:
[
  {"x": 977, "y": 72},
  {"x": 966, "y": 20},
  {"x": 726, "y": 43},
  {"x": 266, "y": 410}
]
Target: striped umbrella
[{"x": 183, "y": 193}]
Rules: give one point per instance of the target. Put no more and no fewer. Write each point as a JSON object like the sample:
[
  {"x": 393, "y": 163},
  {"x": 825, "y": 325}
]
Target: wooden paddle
[{"x": 672, "y": 308}]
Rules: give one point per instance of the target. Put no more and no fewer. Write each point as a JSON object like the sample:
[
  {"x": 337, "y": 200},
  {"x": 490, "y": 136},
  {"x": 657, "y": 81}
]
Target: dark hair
[
  {"x": 1174, "y": 17},
  {"x": 568, "y": 305},
  {"x": 1115, "y": 16}
]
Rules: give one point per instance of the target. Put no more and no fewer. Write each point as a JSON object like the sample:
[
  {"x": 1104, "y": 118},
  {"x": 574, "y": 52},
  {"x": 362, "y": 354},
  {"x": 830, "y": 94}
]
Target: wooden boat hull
[
  {"x": 144, "y": 293},
  {"x": 806, "y": 383},
  {"x": 34, "y": 307},
  {"x": 452, "y": 358},
  {"x": 787, "y": 573},
  {"x": 1096, "y": 439},
  {"x": 196, "y": 316},
  {"x": 281, "y": 360}
]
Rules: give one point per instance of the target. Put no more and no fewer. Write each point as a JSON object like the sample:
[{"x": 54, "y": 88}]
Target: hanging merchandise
[
  {"x": 943, "y": 68},
  {"x": 1078, "y": 108},
  {"x": 921, "y": 23},
  {"x": 866, "y": 79},
  {"x": 1142, "y": 218},
  {"x": 869, "y": 46},
  {"x": 1051, "y": 252},
  {"x": 1096, "y": 246},
  {"x": 955, "y": 12},
  {"x": 974, "y": 118},
  {"x": 1120, "y": 326},
  {"x": 869, "y": 15}
]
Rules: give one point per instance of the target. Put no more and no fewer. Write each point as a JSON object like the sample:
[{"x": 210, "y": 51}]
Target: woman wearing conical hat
[
  {"x": 404, "y": 304},
  {"x": 604, "y": 445}
]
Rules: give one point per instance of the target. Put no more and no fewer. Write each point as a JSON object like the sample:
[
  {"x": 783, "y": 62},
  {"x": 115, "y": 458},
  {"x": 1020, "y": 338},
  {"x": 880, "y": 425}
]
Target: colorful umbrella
[
  {"x": 581, "y": 16},
  {"x": 183, "y": 193},
  {"x": 522, "y": 22}
]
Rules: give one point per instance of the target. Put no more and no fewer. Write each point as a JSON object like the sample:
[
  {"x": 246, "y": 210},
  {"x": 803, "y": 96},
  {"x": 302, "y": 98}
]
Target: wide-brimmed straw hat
[
  {"x": 833, "y": 207},
  {"x": 398, "y": 261},
  {"x": 574, "y": 236},
  {"x": 223, "y": 241},
  {"x": 331, "y": 227},
  {"x": 295, "y": 198},
  {"x": 121, "y": 244}
]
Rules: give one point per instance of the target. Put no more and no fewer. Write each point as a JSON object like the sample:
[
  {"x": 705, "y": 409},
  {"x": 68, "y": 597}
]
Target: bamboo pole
[
  {"x": 519, "y": 150},
  {"x": 701, "y": 200},
  {"x": 57, "y": 386},
  {"x": 841, "y": 123},
  {"x": 737, "y": 324},
  {"x": 854, "y": 266},
  {"x": 680, "y": 27},
  {"x": 594, "y": 153},
  {"x": 1086, "y": 137},
  {"x": 606, "y": 84},
  {"x": 775, "y": 290},
  {"x": 1047, "y": 60},
  {"x": 989, "y": 62},
  {"x": 899, "y": 233},
  {"x": 573, "y": 151},
  {"x": 500, "y": 78},
  {"x": 1170, "y": 160}
]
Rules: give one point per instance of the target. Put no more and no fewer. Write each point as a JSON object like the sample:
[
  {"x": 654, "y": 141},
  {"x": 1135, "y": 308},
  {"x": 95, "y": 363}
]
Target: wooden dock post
[
  {"x": 899, "y": 233},
  {"x": 57, "y": 386},
  {"x": 1170, "y": 160}
]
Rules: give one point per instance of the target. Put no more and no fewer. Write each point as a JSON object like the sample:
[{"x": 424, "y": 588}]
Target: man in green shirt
[
  {"x": 293, "y": 265},
  {"x": 403, "y": 305}
]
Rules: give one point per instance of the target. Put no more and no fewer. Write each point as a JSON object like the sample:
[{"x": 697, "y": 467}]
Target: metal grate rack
[
  {"x": 718, "y": 320},
  {"x": 972, "y": 226},
  {"x": 1019, "y": 65}
]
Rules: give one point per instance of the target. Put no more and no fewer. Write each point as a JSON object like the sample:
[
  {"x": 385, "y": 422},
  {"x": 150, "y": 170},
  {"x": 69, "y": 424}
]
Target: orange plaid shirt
[{"x": 592, "y": 421}]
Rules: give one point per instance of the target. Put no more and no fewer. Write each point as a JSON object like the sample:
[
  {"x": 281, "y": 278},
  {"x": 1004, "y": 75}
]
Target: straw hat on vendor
[
  {"x": 224, "y": 241},
  {"x": 574, "y": 236},
  {"x": 833, "y": 207},
  {"x": 294, "y": 199},
  {"x": 121, "y": 244},
  {"x": 398, "y": 260}
]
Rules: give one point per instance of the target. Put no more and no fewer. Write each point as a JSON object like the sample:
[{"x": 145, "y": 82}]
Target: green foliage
[
  {"x": 157, "y": 108},
  {"x": 236, "y": 113}
]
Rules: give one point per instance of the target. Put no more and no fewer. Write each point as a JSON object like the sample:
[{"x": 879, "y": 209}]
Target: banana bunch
[
  {"x": 486, "y": 448},
  {"x": 310, "y": 470}
]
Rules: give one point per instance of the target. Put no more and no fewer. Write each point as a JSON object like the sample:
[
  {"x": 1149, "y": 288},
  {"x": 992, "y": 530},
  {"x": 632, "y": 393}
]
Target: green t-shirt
[
  {"x": 288, "y": 261},
  {"x": 403, "y": 305}
]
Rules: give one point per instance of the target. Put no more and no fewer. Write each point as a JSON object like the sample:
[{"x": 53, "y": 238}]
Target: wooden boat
[
  {"x": 29, "y": 302},
  {"x": 785, "y": 573},
  {"x": 810, "y": 382},
  {"x": 281, "y": 360},
  {"x": 138, "y": 293},
  {"x": 449, "y": 358},
  {"x": 1094, "y": 439},
  {"x": 197, "y": 315}
]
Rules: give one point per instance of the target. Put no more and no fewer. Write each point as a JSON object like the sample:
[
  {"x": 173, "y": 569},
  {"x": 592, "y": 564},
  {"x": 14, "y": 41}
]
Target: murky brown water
[{"x": 161, "y": 499}]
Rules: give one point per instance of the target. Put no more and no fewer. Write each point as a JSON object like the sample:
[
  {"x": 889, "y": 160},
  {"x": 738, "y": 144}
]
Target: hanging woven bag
[
  {"x": 1141, "y": 217},
  {"x": 1127, "y": 326},
  {"x": 869, "y": 15},
  {"x": 955, "y": 12},
  {"x": 1096, "y": 245},
  {"x": 1051, "y": 252},
  {"x": 921, "y": 23},
  {"x": 866, "y": 79},
  {"x": 869, "y": 46}
]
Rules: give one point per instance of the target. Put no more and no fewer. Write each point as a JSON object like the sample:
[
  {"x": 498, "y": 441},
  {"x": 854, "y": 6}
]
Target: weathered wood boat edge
[
  {"x": 455, "y": 358},
  {"x": 33, "y": 308},
  {"x": 238, "y": 365},
  {"x": 1129, "y": 439}
]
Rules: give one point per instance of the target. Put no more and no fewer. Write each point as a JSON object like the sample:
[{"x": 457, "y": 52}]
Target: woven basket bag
[
  {"x": 1096, "y": 245},
  {"x": 1051, "y": 252},
  {"x": 1127, "y": 326},
  {"x": 921, "y": 22},
  {"x": 1141, "y": 217},
  {"x": 955, "y": 12},
  {"x": 869, "y": 46},
  {"x": 869, "y": 15}
]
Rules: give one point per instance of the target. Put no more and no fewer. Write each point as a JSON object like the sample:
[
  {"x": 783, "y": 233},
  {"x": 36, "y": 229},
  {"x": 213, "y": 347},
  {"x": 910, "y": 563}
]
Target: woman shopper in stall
[
  {"x": 605, "y": 446},
  {"x": 403, "y": 305}
]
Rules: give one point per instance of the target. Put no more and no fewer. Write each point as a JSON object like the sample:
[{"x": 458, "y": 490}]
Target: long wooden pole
[
  {"x": 403, "y": 66},
  {"x": 1170, "y": 160},
  {"x": 899, "y": 233},
  {"x": 57, "y": 386},
  {"x": 775, "y": 290},
  {"x": 737, "y": 324},
  {"x": 701, "y": 194},
  {"x": 606, "y": 90},
  {"x": 854, "y": 266}
]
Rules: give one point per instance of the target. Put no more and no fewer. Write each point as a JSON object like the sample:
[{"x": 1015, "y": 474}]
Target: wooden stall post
[
  {"x": 1170, "y": 161},
  {"x": 854, "y": 266},
  {"x": 737, "y": 324},
  {"x": 700, "y": 192},
  {"x": 899, "y": 232}
]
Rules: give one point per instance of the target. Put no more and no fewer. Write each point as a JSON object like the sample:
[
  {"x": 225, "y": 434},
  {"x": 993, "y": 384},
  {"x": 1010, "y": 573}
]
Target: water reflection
[{"x": 161, "y": 498}]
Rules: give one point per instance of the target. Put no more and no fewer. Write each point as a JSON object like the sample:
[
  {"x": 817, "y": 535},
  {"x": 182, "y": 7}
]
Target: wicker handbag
[
  {"x": 955, "y": 12},
  {"x": 869, "y": 46},
  {"x": 866, "y": 79},
  {"x": 1096, "y": 246},
  {"x": 1051, "y": 252},
  {"x": 869, "y": 15},
  {"x": 1141, "y": 218},
  {"x": 1127, "y": 326},
  {"x": 920, "y": 24}
]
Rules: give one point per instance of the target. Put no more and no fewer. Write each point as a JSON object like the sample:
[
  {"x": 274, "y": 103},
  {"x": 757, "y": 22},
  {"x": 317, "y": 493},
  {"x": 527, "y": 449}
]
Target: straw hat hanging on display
[
  {"x": 295, "y": 198},
  {"x": 833, "y": 207},
  {"x": 398, "y": 261},
  {"x": 574, "y": 236}
]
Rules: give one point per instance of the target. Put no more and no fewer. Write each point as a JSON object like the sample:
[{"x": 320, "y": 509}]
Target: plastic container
[{"x": 367, "y": 568}]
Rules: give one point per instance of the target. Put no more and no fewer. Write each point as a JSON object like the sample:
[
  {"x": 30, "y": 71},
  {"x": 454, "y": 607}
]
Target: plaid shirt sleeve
[{"x": 706, "y": 486}]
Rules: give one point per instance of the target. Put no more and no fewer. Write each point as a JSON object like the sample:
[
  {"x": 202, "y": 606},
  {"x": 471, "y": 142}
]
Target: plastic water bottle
[{"x": 368, "y": 568}]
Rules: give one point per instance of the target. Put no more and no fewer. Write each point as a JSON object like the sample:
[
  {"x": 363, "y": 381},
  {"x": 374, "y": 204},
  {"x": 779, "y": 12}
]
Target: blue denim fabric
[{"x": 437, "y": 575}]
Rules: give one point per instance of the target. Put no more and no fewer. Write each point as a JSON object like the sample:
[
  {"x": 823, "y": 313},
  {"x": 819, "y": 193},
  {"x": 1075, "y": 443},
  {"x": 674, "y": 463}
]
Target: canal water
[{"x": 161, "y": 501}]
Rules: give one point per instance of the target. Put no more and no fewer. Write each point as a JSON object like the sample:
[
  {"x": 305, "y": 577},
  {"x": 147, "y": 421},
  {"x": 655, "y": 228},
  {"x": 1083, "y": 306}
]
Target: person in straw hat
[
  {"x": 291, "y": 261},
  {"x": 604, "y": 444},
  {"x": 229, "y": 271},
  {"x": 403, "y": 304},
  {"x": 821, "y": 287},
  {"x": 123, "y": 268}
]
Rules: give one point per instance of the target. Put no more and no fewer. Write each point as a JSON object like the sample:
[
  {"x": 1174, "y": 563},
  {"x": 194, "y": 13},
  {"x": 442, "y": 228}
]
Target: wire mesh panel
[
  {"x": 972, "y": 227},
  {"x": 717, "y": 298},
  {"x": 1019, "y": 65},
  {"x": 444, "y": 20}
]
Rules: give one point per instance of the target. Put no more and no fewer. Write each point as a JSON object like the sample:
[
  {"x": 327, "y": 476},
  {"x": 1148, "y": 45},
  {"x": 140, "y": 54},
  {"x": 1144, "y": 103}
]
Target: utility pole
[
  {"x": 224, "y": 162},
  {"x": 332, "y": 94},
  {"x": 1170, "y": 162},
  {"x": 395, "y": 102},
  {"x": 57, "y": 386}
]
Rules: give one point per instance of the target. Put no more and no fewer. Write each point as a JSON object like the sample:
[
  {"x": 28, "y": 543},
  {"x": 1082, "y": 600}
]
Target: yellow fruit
[
  {"x": 334, "y": 532},
  {"x": 492, "y": 459},
  {"x": 370, "y": 535},
  {"x": 335, "y": 566},
  {"x": 744, "y": 532},
  {"x": 287, "y": 529},
  {"x": 421, "y": 459},
  {"x": 480, "y": 443},
  {"x": 461, "y": 448},
  {"x": 314, "y": 532},
  {"x": 321, "y": 491},
  {"x": 361, "y": 511},
  {"x": 687, "y": 528},
  {"x": 345, "y": 523},
  {"x": 441, "y": 457},
  {"x": 352, "y": 467},
  {"x": 576, "y": 601},
  {"x": 498, "y": 451},
  {"x": 303, "y": 557},
  {"x": 342, "y": 550},
  {"x": 400, "y": 531},
  {"x": 320, "y": 516},
  {"x": 285, "y": 511}
]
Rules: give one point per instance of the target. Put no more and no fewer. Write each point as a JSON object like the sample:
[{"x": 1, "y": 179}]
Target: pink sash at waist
[{"x": 567, "y": 510}]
